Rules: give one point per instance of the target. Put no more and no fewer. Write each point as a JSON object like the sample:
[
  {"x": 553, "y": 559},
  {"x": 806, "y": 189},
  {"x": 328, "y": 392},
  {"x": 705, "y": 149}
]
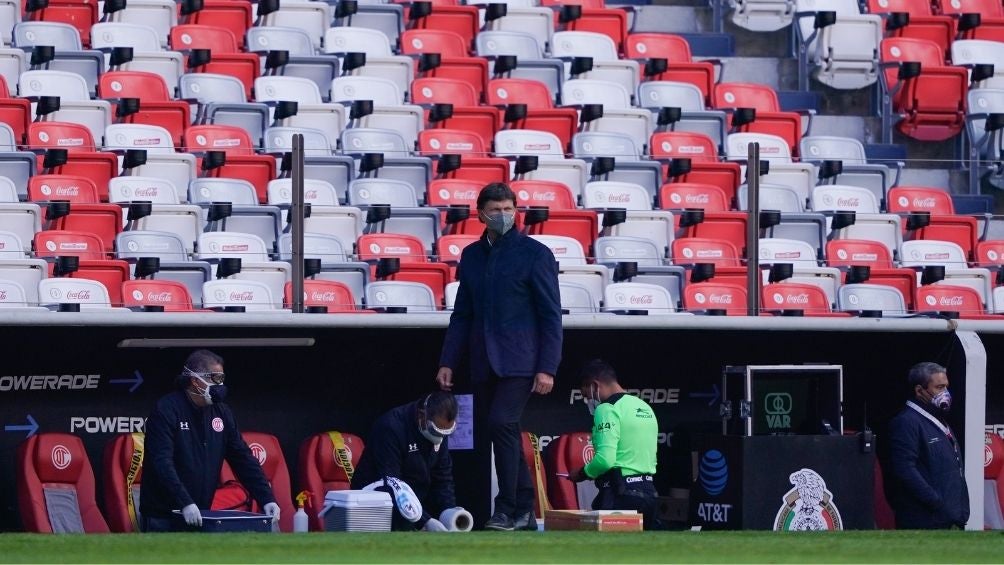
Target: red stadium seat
[
  {"x": 697, "y": 147},
  {"x": 885, "y": 519},
  {"x": 444, "y": 193},
  {"x": 611, "y": 22},
  {"x": 554, "y": 195},
  {"x": 565, "y": 455},
  {"x": 693, "y": 250},
  {"x": 323, "y": 468},
  {"x": 790, "y": 296},
  {"x": 580, "y": 225},
  {"x": 55, "y": 486},
  {"x": 481, "y": 169},
  {"x": 933, "y": 103},
  {"x": 462, "y": 20},
  {"x": 241, "y": 160},
  {"x": 951, "y": 298},
  {"x": 157, "y": 106},
  {"x": 541, "y": 115},
  {"x": 444, "y": 42},
  {"x": 715, "y": 296},
  {"x": 676, "y": 51},
  {"x": 95, "y": 263},
  {"x": 171, "y": 295},
  {"x": 922, "y": 23},
  {"x": 442, "y": 141},
  {"x": 535, "y": 462},
  {"x": 728, "y": 226},
  {"x": 472, "y": 70},
  {"x": 993, "y": 489},
  {"x": 273, "y": 464},
  {"x": 449, "y": 247},
  {"x": 769, "y": 117},
  {"x": 234, "y": 15},
  {"x": 15, "y": 112},
  {"x": 991, "y": 13},
  {"x": 73, "y": 188},
  {"x": 333, "y": 295},
  {"x": 102, "y": 220},
  {"x": 60, "y": 135},
  {"x": 467, "y": 114},
  {"x": 725, "y": 176},
  {"x": 123, "y": 474},
  {"x": 415, "y": 265},
  {"x": 990, "y": 253},
  {"x": 707, "y": 197},
  {"x": 226, "y": 58},
  {"x": 876, "y": 256},
  {"x": 945, "y": 224},
  {"x": 82, "y": 159},
  {"x": 81, "y": 14}
]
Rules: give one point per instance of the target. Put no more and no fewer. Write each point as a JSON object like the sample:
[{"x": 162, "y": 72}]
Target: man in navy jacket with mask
[
  {"x": 188, "y": 435},
  {"x": 507, "y": 324},
  {"x": 928, "y": 480}
]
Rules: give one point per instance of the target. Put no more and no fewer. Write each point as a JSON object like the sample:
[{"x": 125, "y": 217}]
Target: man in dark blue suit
[
  {"x": 928, "y": 480},
  {"x": 507, "y": 323}
]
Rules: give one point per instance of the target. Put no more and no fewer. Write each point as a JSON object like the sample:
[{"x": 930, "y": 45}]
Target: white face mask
[
  {"x": 435, "y": 434},
  {"x": 593, "y": 401}
]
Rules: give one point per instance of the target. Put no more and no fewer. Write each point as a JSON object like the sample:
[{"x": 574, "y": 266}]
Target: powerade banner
[{"x": 82, "y": 380}]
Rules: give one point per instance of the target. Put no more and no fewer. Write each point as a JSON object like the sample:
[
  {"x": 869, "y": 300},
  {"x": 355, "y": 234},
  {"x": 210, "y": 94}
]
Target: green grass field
[{"x": 521, "y": 547}]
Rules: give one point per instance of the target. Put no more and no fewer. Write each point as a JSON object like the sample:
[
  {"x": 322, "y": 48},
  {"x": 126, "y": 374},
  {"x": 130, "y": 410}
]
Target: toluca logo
[
  {"x": 258, "y": 450},
  {"x": 808, "y": 506},
  {"x": 924, "y": 202},
  {"x": 107, "y": 424},
  {"x": 241, "y": 296},
  {"x": 163, "y": 296},
  {"x": 649, "y": 395},
  {"x": 777, "y": 408},
  {"x": 588, "y": 452},
  {"x": 61, "y": 456},
  {"x": 48, "y": 382},
  {"x": 713, "y": 473}
]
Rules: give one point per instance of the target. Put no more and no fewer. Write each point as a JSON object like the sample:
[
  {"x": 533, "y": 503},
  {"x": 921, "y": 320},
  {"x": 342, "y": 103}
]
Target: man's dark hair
[
  {"x": 921, "y": 373},
  {"x": 599, "y": 371},
  {"x": 202, "y": 361},
  {"x": 440, "y": 404},
  {"x": 495, "y": 192}
]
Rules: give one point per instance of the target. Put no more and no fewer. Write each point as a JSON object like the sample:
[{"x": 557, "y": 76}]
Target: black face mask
[{"x": 218, "y": 394}]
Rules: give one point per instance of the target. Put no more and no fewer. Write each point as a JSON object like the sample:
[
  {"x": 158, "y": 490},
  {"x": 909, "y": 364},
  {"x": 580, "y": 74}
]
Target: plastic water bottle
[{"x": 300, "y": 521}]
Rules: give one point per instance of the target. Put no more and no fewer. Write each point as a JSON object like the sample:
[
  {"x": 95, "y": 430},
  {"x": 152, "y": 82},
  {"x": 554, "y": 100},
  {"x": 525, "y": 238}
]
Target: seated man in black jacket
[
  {"x": 411, "y": 443},
  {"x": 188, "y": 435}
]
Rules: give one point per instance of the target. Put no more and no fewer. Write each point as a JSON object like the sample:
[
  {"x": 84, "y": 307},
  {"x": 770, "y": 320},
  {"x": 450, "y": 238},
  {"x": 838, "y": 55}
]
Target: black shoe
[
  {"x": 525, "y": 522},
  {"x": 500, "y": 522}
]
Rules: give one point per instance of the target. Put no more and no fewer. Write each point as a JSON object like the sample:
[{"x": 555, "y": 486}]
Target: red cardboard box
[{"x": 594, "y": 520}]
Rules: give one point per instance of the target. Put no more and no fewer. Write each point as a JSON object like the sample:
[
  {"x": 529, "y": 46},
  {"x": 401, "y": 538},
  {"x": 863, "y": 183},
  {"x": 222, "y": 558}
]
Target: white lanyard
[{"x": 945, "y": 429}]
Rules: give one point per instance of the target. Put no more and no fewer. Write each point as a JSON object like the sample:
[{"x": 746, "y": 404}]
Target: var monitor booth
[{"x": 782, "y": 461}]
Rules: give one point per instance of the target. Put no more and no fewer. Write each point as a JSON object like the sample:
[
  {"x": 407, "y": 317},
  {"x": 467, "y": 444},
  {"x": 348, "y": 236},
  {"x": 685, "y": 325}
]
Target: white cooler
[{"x": 357, "y": 511}]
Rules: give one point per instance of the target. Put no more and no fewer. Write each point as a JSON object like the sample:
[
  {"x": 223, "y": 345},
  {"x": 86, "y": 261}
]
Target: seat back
[
  {"x": 844, "y": 197},
  {"x": 407, "y": 248},
  {"x": 777, "y": 250},
  {"x": 374, "y": 140},
  {"x": 134, "y": 244},
  {"x": 554, "y": 195},
  {"x": 605, "y": 144},
  {"x": 771, "y": 146},
  {"x": 216, "y": 245},
  {"x": 280, "y": 140},
  {"x": 108, "y": 35},
  {"x": 566, "y": 250},
  {"x": 849, "y": 252},
  {"x": 318, "y": 192},
  {"x": 565, "y": 455},
  {"x": 328, "y": 248},
  {"x": 229, "y": 139},
  {"x": 919, "y": 199},
  {"x": 444, "y": 42},
  {"x": 444, "y": 141},
  {"x": 333, "y": 295},
  {"x": 918, "y": 253},
  {"x": 589, "y": 91},
  {"x": 416, "y": 297},
  {"x": 715, "y": 296},
  {"x": 949, "y": 298},
  {"x": 693, "y": 250},
  {"x": 73, "y": 291},
  {"x": 583, "y": 44},
  {"x": 53, "y": 243},
  {"x": 351, "y": 39},
  {"x": 808, "y": 298},
  {"x": 871, "y": 297},
  {"x": 577, "y": 298},
  {"x": 773, "y": 197},
  {"x": 653, "y": 298},
  {"x": 492, "y": 43},
  {"x": 55, "y": 486},
  {"x": 760, "y": 97},
  {"x": 515, "y": 142},
  {"x": 60, "y": 135},
  {"x": 697, "y": 147},
  {"x": 250, "y": 294},
  {"x": 664, "y": 93},
  {"x": 197, "y": 36},
  {"x": 533, "y": 93},
  {"x": 276, "y": 88},
  {"x": 63, "y": 37},
  {"x": 123, "y": 474},
  {"x": 68, "y": 86},
  {"x": 171, "y": 295},
  {"x": 443, "y": 91},
  {"x": 12, "y": 294},
  {"x": 382, "y": 91},
  {"x": 382, "y": 191},
  {"x": 324, "y": 467},
  {"x": 73, "y": 188},
  {"x": 211, "y": 87},
  {"x": 825, "y": 147},
  {"x": 614, "y": 249},
  {"x": 613, "y": 194},
  {"x": 673, "y": 48},
  {"x": 296, "y": 41},
  {"x": 210, "y": 189},
  {"x": 266, "y": 448}
]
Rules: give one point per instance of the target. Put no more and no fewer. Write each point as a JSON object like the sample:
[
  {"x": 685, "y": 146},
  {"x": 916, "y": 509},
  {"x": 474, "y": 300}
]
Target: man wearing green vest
[{"x": 625, "y": 437}]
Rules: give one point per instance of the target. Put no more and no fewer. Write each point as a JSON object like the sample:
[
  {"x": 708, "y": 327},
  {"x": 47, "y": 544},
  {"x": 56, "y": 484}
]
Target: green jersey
[{"x": 625, "y": 435}]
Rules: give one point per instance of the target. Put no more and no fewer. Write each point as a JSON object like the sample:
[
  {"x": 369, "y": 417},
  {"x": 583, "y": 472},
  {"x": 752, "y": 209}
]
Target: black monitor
[{"x": 783, "y": 399}]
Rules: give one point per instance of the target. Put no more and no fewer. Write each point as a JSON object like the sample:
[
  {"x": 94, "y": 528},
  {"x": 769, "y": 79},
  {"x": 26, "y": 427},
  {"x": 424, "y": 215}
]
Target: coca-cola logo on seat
[
  {"x": 920, "y": 203},
  {"x": 84, "y": 294},
  {"x": 325, "y": 296},
  {"x": 159, "y": 297},
  {"x": 642, "y": 299},
  {"x": 954, "y": 300},
  {"x": 241, "y": 296}
]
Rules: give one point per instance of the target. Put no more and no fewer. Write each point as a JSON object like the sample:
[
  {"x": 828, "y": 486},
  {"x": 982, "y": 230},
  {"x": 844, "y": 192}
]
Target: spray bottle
[{"x": 300, "y": 521}]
